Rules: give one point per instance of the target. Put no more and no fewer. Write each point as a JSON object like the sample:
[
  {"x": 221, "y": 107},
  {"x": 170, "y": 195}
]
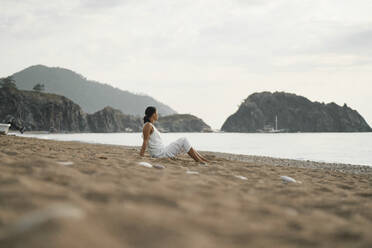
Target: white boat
[
  {"x": 4, "y": 128},
  {"x": 270, "y": 129}
]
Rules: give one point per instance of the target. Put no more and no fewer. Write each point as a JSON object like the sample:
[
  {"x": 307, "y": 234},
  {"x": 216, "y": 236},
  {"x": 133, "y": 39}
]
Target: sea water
[{"x": 348, "y": 148}]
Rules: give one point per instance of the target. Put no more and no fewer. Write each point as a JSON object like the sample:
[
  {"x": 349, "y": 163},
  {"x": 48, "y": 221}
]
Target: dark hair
[{"x": 148, "y": 113}]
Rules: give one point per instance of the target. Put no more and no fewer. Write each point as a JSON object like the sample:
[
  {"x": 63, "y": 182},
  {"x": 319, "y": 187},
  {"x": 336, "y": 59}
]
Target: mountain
[
  {"x": 182, "y": 123},
  {"x": 295, "y": 114},
  {"x": 90, "y": 95},
  {"x": 37, "y": 111}
]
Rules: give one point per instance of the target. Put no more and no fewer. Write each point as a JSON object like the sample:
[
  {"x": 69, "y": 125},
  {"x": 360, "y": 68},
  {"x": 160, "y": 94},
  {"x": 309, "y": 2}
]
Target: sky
[{"x": 200, "y": 57}]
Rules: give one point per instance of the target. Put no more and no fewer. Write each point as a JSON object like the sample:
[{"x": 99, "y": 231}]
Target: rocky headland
[
  {"x": 182, "y": 123},
  {"x": 294, "y": 114},
  {"x": 38, "y": 111}
]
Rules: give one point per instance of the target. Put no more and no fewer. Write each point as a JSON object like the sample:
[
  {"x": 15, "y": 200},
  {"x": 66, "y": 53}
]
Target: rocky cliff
[
  {"x": 182, "y": 123},
  {"x": 38, "y": 111},
  {"x": 109, "y": 120},
  {"x": 295, "y": 114}
]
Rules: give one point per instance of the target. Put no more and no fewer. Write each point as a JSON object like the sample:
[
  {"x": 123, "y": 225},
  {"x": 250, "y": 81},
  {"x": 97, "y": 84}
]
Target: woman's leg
[
  {"x": 191, "y": 151},
  {"x": 177, "y": 147},
  {"x": 183, "y": 145},
  {"x": 201, "y": 157},
  {"x": 196, "y": 156},
  {"x": 192, "y": 154}
]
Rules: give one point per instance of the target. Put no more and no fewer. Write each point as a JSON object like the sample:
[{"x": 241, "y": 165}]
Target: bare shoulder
[{"x": 148, "y": 127}]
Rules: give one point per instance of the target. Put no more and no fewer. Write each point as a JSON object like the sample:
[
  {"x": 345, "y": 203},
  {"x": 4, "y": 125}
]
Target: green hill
[{"x": 90, "y": 95}]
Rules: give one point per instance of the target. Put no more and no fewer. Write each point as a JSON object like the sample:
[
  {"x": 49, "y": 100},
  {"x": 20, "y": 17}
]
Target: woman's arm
[{"x": 146, "y": 136}]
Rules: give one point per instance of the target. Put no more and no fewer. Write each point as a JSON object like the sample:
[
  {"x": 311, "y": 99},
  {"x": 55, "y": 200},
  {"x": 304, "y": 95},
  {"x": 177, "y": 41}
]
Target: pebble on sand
[
  {"x": 192, "y": 172},
  {"x": 66, "y": 163},
  {"x": 148, "y": 165},
  {"x": 159, "y": 166},
  {"x": 287, "y": 179},
  {"x": 241, "y": 177}
]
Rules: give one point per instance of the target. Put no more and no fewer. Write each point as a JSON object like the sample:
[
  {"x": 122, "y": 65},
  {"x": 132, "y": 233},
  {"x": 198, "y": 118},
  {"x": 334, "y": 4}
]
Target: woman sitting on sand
[{"x": 152, "y": 140}]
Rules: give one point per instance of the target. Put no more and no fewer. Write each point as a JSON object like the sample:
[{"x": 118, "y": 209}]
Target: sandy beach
[{"x": 71, "y": 194}]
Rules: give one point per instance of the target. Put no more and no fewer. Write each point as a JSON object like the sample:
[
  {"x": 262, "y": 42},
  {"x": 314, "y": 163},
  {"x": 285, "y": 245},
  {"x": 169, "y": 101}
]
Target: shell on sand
[
  {"x": 241, "y": 177},
  {"x": 146, "y": 164},
  {"x": 66, "y": 163},
  {"x": 288, "y": 179},
  {"x": 159, "y": 166},
  {"x": 192, "y": 172}
]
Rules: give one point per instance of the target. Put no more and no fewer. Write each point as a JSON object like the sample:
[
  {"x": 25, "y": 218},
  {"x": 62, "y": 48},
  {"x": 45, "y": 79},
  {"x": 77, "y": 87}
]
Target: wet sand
[{"x": 71, "y": 194}]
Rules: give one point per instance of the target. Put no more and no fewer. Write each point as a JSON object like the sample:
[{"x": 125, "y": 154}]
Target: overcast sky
[{"x": 200, "y": 57}]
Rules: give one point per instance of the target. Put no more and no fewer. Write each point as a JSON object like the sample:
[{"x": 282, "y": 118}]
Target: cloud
[
  {"x": 101, "y": 4},
  {"x": 356, "y": 42}
]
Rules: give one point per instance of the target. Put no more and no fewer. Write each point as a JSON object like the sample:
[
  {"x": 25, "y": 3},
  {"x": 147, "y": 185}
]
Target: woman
[{"x": 152, "y": 140}]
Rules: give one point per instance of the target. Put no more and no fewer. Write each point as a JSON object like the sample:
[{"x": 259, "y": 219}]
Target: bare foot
[
  {"x": 204, "y": 159},
  {"x": 203, "y": 163}
]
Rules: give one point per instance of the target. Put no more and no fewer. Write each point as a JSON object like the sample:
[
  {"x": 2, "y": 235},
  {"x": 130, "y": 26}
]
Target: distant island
[
  {"x": 38, "y": 111},
  {"x": 182, "y": 123},
  {"x": 294, "y": 114},
  {"x": 91, "y": 95}
]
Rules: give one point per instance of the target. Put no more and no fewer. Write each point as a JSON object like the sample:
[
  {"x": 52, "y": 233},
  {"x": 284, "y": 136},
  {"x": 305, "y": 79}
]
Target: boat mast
[{"x": 276, "y": 122}]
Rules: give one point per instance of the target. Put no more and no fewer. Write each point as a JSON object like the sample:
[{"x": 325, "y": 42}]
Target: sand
[{"x": 71, "y": 194}]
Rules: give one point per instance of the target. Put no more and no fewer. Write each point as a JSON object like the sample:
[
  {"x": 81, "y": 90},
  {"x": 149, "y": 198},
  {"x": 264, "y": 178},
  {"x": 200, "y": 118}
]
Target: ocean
[{"x": 347, "y": 148}]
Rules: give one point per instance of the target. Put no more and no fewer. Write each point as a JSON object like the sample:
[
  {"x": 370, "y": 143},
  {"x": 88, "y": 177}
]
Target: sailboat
[{"x": 270, "y": 129}]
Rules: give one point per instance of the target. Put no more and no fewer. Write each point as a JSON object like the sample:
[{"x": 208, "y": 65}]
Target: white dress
[{"x": 157, "y": 148}]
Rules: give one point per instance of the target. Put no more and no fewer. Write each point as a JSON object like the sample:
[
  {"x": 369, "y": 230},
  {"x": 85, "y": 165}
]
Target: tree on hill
[
  {"x": 8, "y": 82},
  {"x": 39, "y": 87}
]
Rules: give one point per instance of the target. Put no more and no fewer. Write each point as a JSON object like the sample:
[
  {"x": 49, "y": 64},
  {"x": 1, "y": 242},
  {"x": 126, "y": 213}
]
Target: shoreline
[
  {"x": 342, "y": 167},
  {"x": 72, "y": 132}
]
